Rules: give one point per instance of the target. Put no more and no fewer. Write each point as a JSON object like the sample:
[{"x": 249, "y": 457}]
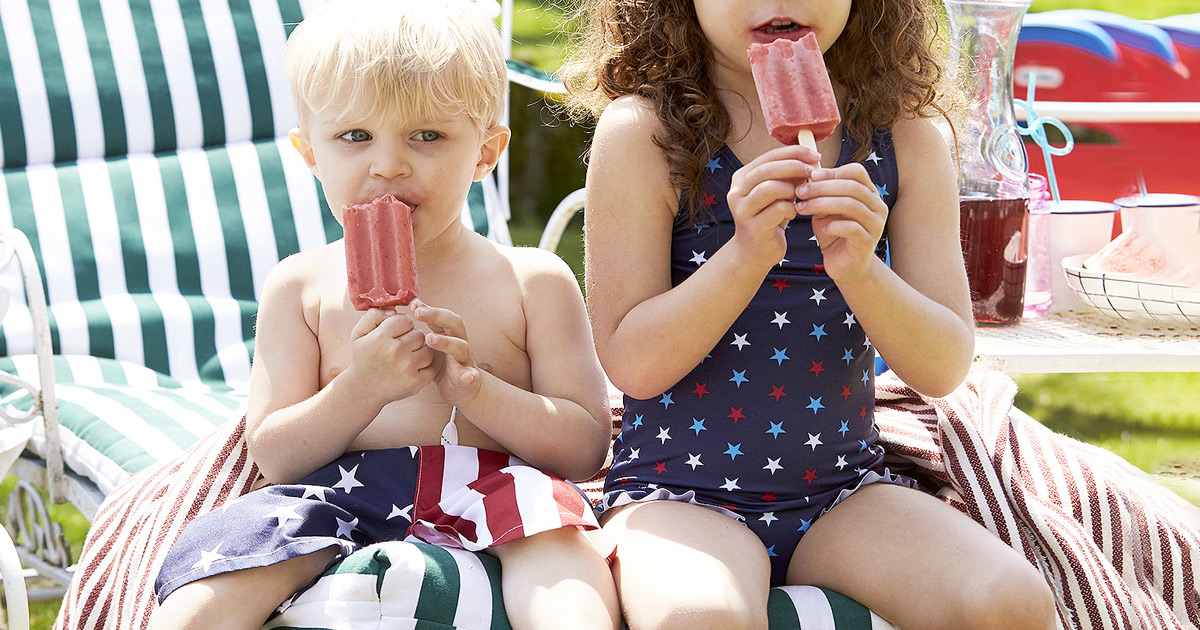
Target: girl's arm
[
  {"x": 918, "y": 313},
  {"x": 648, "y": 334},
  {"x": 564, "y": 423}
]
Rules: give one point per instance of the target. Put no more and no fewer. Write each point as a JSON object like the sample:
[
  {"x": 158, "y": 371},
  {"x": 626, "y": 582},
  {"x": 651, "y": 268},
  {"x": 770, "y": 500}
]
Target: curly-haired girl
[{"x": 738, "y": 292}]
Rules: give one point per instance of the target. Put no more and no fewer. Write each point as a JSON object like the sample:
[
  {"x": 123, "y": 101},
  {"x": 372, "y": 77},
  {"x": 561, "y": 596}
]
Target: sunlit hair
[
  {"x": 424, "y": 59},
  {"x": 887, "y": 57}
]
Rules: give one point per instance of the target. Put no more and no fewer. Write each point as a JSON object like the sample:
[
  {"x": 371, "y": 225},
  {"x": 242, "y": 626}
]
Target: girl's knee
[
  {"x": 701, "y": 616},
  {"x": 1019, "y": 598}
]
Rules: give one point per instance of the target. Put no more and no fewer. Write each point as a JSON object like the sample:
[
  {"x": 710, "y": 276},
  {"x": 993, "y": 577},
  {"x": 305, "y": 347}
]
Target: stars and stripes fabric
[
  {"x": 450, "y": 495},
  {"x": 776, "y": 424}
]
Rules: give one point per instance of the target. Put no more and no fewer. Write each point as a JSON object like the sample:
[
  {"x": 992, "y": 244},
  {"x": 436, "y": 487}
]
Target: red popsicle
[
  {"x": 794, "y": 89},
  {"x": 381, "y": 264}
]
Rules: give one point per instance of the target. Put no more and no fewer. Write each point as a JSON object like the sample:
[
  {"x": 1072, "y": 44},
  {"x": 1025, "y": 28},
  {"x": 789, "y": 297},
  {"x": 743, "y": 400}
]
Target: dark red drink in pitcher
[{"x": 994, "y": 248}]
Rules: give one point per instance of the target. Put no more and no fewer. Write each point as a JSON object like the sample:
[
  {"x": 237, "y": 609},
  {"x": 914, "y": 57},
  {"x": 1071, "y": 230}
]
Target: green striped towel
[{"x": 404, "y": 585}]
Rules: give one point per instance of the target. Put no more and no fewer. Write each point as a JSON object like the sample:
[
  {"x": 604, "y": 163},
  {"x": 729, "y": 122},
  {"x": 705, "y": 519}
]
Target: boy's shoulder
[
  {"x": 531, "y": 263},
  {"x": 305, "y": 270}
]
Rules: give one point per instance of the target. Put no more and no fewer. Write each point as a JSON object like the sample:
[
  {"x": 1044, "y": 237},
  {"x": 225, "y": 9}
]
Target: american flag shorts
[{"x": 453, "y": 496}]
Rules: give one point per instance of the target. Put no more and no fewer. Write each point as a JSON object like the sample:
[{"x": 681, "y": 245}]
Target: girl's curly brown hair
[{"x": 886, "y": 59}]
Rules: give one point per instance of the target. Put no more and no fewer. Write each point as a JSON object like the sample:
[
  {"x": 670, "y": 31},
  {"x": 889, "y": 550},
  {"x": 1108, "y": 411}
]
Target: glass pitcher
[{"x": 994, "y": 170}]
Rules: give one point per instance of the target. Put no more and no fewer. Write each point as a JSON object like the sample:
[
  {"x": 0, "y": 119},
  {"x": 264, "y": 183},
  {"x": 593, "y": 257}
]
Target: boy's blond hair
[{"x": 421, "y": 59}]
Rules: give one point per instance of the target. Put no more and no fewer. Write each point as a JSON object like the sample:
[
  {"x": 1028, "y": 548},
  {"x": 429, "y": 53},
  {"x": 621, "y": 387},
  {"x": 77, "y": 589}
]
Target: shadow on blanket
[{"x": 1119, "y": 550}]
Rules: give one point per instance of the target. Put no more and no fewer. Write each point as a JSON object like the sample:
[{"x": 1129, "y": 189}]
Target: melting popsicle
[
  {"x": 794, "y": 89},
  {"x": 381, "y": 265}
]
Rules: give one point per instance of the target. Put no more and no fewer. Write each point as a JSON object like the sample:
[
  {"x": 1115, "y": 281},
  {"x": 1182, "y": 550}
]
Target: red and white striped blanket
[{"x": 1119, "y": 550}]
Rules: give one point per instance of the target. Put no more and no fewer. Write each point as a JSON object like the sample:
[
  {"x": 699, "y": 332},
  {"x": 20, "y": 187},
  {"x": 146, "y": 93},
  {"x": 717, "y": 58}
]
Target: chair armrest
[
  {"x": 560, "y": 218},
  {"x": 14, "y": 245},
  {"x": 16, "y": 599}
]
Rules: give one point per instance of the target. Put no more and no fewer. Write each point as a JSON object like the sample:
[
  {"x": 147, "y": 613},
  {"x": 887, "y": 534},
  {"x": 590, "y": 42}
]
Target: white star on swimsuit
[
  {"x": 780, "y": 319},
  {"x": 731, "y": 485},
  {"x": 693, "y": 461},
  {"x": 768, "y": 518},
  {"x": 739, "y": 341},
  {"x": 773, "y": 465}
]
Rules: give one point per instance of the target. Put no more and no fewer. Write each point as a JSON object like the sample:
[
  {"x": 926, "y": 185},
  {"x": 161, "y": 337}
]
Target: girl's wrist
[{"x": 749, "y": 259}]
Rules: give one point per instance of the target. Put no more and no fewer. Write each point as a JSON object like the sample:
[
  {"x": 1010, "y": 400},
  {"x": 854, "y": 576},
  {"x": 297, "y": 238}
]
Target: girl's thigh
[
  {"x": 685, "y": 566},
  {"x": 918, "y": 562}
]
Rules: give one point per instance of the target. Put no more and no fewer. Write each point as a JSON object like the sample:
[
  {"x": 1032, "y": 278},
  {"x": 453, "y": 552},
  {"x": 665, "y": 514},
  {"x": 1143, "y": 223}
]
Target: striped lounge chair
[{"x": 148, "y": 186}]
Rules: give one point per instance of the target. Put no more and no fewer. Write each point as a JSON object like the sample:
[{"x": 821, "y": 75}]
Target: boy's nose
[{"x": 390, "y": 164}]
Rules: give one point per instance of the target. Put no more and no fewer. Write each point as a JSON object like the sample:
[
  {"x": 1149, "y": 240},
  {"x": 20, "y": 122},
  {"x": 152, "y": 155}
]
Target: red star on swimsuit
[{"x": 777, "y": 392}]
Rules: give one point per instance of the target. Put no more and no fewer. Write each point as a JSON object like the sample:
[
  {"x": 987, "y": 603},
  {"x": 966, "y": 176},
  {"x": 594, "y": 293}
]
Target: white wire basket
[{"x": 1130, "y": 297}]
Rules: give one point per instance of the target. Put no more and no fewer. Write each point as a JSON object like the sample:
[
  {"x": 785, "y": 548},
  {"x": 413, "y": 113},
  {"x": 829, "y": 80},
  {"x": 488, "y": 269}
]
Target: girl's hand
[
  {"x": 848, "y": 216},
  {"x": 388, "y": 350},
  {"x": 762, "y": 199},
  {"x": 458, "y": 378}
]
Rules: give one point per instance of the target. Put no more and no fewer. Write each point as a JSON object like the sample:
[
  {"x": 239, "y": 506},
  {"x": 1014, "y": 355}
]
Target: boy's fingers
[
  {"x": 440, "y": 320},
  {"x": 369, "y": 321},
  {"x": 396, "y": 325},
  {"x": 454, "y": 347}
]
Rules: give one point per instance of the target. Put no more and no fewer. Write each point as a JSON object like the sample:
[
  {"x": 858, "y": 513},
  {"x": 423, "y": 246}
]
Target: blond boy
[{"x": 405, "y": 97}]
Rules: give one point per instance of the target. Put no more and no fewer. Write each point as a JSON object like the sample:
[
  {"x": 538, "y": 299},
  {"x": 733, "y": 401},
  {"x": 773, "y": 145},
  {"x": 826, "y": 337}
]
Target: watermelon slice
[{"x": 1129, "y": 253}]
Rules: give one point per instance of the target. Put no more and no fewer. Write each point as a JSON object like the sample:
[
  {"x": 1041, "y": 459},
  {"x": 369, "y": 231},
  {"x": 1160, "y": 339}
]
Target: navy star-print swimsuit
[{"x": 776, "y": 425}]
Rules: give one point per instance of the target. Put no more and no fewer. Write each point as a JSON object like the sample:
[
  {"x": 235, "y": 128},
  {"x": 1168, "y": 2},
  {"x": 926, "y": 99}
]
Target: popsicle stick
[{"x": 805, "y": 138}]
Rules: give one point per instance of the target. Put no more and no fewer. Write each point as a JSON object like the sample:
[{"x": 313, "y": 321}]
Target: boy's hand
[
  {"x": 458, "y": 378},
  {"x": 848, "y": 216},
  {"x": 762, "y": 198},
  {"x": 387, "y": 348}
]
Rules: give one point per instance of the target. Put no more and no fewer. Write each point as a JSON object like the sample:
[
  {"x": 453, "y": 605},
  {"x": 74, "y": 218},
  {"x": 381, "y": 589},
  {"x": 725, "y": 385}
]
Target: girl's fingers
[
  {"x": 843, "y": 229},
  {"x": 764, "y": 195},
  {"x": 854, "y": 171},
  {"x": 838, "y": 208}
]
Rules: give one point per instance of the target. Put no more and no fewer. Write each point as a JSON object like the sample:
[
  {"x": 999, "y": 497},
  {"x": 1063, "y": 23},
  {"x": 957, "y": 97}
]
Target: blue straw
[{"x": 1035, "y": 127}]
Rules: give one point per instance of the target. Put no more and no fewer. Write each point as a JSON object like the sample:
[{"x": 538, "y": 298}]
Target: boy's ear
[
  {"x": 304, "y": 148},
  {"x": 495, "y": 140}
]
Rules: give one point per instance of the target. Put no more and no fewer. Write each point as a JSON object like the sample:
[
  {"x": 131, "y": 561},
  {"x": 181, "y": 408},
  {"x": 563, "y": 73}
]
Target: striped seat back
[{"x": 145, "y": 155}]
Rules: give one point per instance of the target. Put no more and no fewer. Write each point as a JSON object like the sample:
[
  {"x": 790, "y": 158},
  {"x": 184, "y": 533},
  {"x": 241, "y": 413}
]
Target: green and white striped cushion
[
  {"x": 404, "y": 585},
  {"x": 98, "y": 78},
  {"x": 117, "y": 418}
]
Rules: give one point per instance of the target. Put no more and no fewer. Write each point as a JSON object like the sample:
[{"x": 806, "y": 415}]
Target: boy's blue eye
[
  {"x": 427, "y": 136},
  {"x": 358, "y": 135}
]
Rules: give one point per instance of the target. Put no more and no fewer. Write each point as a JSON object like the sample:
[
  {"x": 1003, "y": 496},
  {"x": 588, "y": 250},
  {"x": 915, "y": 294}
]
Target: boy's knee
[{"x": 1010, "y": 600}]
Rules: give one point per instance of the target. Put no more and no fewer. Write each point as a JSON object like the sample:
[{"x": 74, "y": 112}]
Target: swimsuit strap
[{"x": 450, "y": 433}]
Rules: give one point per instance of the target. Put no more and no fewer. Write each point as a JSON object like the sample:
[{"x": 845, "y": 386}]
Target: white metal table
[{"x": 1087, "y": 342}]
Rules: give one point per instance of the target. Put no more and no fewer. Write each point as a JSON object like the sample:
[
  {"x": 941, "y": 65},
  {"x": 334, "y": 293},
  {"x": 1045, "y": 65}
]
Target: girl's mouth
[{"x": 779, "y": 29}]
